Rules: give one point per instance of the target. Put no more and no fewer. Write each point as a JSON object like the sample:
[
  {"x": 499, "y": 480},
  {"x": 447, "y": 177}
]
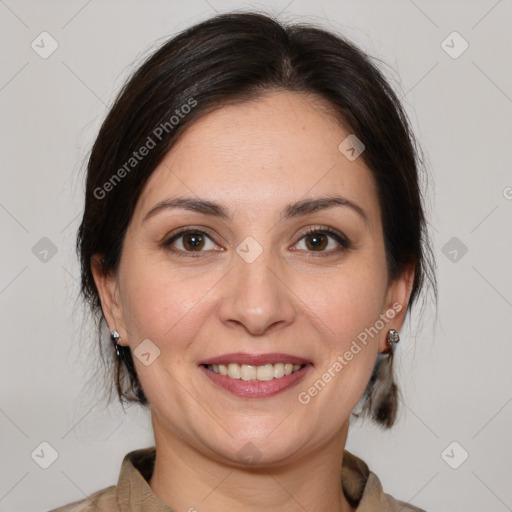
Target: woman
[{"x": 253, "y": 237}]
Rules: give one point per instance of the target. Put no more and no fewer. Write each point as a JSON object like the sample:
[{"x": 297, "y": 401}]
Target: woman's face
[{"x": 251, "y": 285}]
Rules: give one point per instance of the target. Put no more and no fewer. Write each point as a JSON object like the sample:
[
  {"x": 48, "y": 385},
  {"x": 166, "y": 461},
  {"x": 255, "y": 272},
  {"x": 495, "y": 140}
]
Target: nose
[{"x": 257, "y": 297}]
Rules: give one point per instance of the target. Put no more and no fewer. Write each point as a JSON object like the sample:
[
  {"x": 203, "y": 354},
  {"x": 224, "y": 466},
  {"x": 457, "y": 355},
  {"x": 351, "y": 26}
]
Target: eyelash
[{"x": 344, "y": 243}]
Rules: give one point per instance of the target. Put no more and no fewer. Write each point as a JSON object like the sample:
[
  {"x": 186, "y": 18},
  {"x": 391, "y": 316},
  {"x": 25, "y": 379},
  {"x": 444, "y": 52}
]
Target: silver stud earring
[
  {"x": 114, "y": 336},
  {"x": 392, "y": 338}
]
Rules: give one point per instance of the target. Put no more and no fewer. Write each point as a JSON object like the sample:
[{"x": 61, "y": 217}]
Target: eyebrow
[{"x": 297, "y": 209}]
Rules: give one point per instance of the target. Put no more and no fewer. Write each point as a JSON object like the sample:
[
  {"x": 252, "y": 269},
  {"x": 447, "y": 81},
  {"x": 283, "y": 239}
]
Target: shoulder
[
  {"x": 364, "y": 491},
  {"x": 132, "y": 486},
  {"x": 382, "y": 501},
  {"x": 104, "y": 500}
]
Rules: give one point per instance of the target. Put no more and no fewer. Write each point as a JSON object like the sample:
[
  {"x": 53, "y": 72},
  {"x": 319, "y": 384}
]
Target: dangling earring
[
  {"x": 114, "y": 336},
  {"x": 382, "y": 392}
]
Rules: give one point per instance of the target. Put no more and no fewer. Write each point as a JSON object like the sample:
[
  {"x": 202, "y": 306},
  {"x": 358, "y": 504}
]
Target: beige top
[{"x": 133, "y": 493}]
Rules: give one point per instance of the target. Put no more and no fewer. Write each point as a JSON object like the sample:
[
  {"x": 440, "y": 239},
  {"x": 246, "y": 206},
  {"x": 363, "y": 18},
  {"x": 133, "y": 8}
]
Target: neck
[{"x": 187, "y": 479}]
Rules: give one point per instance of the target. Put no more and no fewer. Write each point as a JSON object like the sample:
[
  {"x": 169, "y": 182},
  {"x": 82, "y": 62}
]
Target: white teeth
[
  {"x": 247, "y": 372},
  {"x": 278, "y": 370},
  {"x": 265, "y": 372},
  {"x": 233, "y": 371},
  {"x": 250, "y": 372}
]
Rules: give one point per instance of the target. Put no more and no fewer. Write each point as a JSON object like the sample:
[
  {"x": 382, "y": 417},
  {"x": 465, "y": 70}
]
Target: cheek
[
  {"x": 350, "y": 311},
  {"x": 150, "y": 303},
  {"x": 162, "y": 310},
  {"x": 349, "y": 301},
  {"x": 166, "y": 307}
]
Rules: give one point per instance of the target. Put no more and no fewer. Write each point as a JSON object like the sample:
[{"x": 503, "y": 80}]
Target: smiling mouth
[{"x": 248, "y": 372}]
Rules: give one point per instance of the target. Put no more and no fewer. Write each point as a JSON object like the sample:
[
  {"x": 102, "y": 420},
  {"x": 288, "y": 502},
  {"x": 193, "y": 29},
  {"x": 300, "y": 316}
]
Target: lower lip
[{"x": 256, "y": 388}]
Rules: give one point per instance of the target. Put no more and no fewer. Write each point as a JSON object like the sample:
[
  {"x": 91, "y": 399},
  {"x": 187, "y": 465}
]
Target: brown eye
[
  {"x": 316, "y": 241},
  {"x": 189, "y": 241},
  {"x": 193, "y": 241},
  {"x": 325, "y": 241}
]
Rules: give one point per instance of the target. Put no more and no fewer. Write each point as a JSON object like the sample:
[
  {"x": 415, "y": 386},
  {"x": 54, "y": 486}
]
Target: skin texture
[{"x": 254, "y": 158}]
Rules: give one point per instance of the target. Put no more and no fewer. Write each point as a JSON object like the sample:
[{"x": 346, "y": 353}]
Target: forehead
[{"x": 264, "y": 153}]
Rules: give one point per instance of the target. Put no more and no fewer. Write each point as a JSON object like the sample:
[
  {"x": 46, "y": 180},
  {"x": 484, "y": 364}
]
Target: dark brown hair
[{"x": 230, "y": 58}]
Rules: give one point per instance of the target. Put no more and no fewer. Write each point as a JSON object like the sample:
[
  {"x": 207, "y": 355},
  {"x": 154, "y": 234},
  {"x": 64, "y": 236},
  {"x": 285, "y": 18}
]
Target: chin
[{"x": 258, "y": 444}]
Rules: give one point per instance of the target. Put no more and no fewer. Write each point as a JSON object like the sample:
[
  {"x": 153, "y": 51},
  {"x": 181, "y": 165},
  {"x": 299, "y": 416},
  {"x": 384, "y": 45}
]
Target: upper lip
[{"x": 254, "y": 359}]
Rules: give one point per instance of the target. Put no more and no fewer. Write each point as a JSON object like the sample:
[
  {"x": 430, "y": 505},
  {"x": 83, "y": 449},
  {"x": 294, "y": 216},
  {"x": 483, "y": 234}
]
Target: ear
[
  {"x": 108, "y": 290},
  {"x": 397, "y": 299}
]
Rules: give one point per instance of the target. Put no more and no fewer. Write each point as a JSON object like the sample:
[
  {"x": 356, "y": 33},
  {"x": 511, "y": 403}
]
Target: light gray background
[{"x": 455, "y": 374}]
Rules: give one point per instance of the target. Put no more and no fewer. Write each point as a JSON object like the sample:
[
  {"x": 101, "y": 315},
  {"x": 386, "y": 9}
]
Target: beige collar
[{"x": 361, "y": 487}]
